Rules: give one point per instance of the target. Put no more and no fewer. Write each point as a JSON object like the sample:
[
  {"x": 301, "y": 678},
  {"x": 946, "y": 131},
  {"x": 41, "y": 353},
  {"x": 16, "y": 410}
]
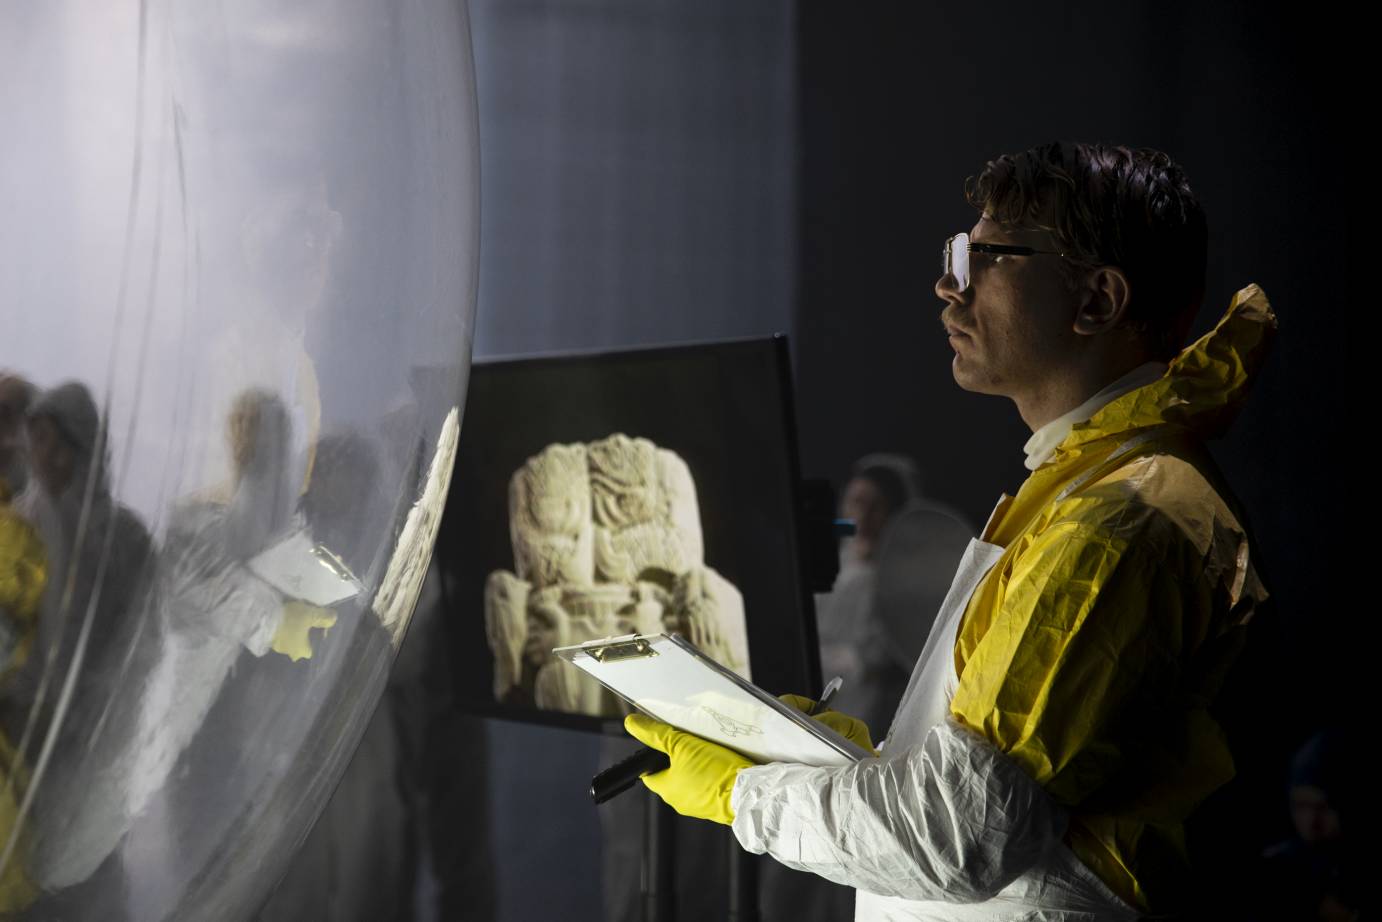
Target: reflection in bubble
[{"x": 230, "y": 386}]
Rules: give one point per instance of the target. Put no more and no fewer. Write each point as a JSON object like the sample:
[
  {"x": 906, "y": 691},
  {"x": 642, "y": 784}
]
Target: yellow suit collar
[{"x": 1203, "y": 388}]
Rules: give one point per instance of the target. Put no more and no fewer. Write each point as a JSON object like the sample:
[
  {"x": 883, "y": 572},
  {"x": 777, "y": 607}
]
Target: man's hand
[
  {"x": 851, "y": 728},
  {"x": 701, "y": 777},
  {"x": 294, "y": 635}
]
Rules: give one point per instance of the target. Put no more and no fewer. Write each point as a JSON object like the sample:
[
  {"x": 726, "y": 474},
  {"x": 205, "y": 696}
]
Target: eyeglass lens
[{"x": 957, "y": 260}]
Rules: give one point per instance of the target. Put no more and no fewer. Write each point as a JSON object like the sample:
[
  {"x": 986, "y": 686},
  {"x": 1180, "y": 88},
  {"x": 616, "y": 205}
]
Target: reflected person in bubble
[
  {"x": 99, "y": 557},
  {"x": 222, "y": 617},
  {"x": 209, "y": 606},
  {"x": 23, "y": 573},
  {"x": 99, "y": 562},
  {"x": 16, "y": 395},
  {"x": 360, "y": 861}
]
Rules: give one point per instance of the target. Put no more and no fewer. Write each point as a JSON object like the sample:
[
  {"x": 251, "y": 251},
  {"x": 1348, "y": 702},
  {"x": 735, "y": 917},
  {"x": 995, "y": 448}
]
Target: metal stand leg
[
  {"x": 659, "y": 856},
  {"x": 743, "y": 883}
]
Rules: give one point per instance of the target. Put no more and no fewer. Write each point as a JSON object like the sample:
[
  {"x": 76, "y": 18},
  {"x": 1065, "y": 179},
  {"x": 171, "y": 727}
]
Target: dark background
[{"x": 657, "y": 171}]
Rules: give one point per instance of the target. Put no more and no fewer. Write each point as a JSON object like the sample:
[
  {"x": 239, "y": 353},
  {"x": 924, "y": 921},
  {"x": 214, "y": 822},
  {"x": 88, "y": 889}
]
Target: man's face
[
  {"x": 1015, "y": 322},
  {"x": 864, "y": 503},
  {"x": 1315, "y": 820}
]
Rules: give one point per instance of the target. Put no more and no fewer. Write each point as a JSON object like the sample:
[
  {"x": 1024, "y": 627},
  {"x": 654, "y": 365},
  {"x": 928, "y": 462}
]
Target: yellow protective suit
[
  {"x": 1091, "y": 650},
  {"x": 23, "y": 575}
]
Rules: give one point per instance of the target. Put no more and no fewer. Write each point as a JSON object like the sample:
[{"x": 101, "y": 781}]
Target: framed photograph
[{"x": 623, "y": 492}]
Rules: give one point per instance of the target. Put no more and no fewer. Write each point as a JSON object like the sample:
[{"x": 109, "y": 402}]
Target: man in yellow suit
[{"x": 1056, "y": 734}]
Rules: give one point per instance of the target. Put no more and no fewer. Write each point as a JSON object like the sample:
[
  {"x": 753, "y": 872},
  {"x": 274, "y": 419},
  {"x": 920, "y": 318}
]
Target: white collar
[{"x": 1047, "y": 439}]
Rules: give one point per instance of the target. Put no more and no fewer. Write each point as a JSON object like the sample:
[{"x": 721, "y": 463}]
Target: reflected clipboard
[
  {"x": 302, "y": 569},
  {"x": 666, "y": 677}
]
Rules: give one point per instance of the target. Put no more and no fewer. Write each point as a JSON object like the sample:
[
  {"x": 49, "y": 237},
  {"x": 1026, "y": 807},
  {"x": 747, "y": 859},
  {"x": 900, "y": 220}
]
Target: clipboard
[
  {"x": 666, "y": 677},
  {"x": 302, "y": 569}
]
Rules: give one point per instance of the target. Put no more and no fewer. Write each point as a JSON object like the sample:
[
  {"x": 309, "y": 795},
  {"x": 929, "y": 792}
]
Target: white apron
[{"x": 1061, "y": 889}]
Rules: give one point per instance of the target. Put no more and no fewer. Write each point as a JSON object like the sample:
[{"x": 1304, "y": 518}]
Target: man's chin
[
  {"x": 968, "y": 382},
  {"x": 962, "y": 378}
]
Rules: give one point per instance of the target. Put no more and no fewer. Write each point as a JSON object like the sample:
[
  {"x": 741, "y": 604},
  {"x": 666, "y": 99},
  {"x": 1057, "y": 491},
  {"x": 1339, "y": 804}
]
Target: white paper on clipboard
[
  {"x": 668, "y": 678},
  {"x": 301, "y": 569}
]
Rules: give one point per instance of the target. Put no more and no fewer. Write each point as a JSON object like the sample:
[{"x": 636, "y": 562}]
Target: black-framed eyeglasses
[{"x": 958, "y": 248}]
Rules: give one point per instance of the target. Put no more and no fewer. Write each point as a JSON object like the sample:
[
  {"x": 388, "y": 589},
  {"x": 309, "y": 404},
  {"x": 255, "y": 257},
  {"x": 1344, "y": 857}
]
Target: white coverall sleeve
[{"x": 953, "y": 819}]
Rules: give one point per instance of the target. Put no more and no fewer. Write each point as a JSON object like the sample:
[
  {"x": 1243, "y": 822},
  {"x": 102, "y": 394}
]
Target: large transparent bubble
[{"x": 239, "y": 263}]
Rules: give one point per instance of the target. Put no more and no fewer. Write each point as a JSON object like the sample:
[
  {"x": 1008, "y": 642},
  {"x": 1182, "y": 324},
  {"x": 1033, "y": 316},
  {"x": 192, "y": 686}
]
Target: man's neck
[{"x": 1059, "y": 394}]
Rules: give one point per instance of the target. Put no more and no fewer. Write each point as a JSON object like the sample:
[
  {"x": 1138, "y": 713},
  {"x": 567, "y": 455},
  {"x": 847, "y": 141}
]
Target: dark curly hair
[{"x": 1109, "y": 205}]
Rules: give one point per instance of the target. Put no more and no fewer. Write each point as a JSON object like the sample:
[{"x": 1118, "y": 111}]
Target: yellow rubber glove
[
  {"x": 294, "y": 635},
  {"x": 851, "y": 728},
  {"x": 701, "y": 777}
]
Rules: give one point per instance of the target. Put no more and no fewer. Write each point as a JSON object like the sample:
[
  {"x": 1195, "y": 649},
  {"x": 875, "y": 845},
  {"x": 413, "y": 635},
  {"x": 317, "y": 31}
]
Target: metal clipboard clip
[
  {"x": 615, "y": 649},
  {"x": 335, "y": 564}
]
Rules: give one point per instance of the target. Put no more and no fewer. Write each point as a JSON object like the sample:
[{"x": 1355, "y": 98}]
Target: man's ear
[{"x": 1106, "y": 292}]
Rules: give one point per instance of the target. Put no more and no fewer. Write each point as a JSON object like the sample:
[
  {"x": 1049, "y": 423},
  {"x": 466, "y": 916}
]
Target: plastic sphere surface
[{"x": 238, "y": 285}]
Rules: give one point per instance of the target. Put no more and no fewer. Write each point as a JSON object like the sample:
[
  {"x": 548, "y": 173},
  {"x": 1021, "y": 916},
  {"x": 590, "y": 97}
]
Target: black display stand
[
  {"x": 658, "y": 882},
  {"x": 743, "y": 883}
]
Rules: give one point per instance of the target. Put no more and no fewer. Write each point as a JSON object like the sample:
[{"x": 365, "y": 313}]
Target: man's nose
[{"x": 948, "y": 289}]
